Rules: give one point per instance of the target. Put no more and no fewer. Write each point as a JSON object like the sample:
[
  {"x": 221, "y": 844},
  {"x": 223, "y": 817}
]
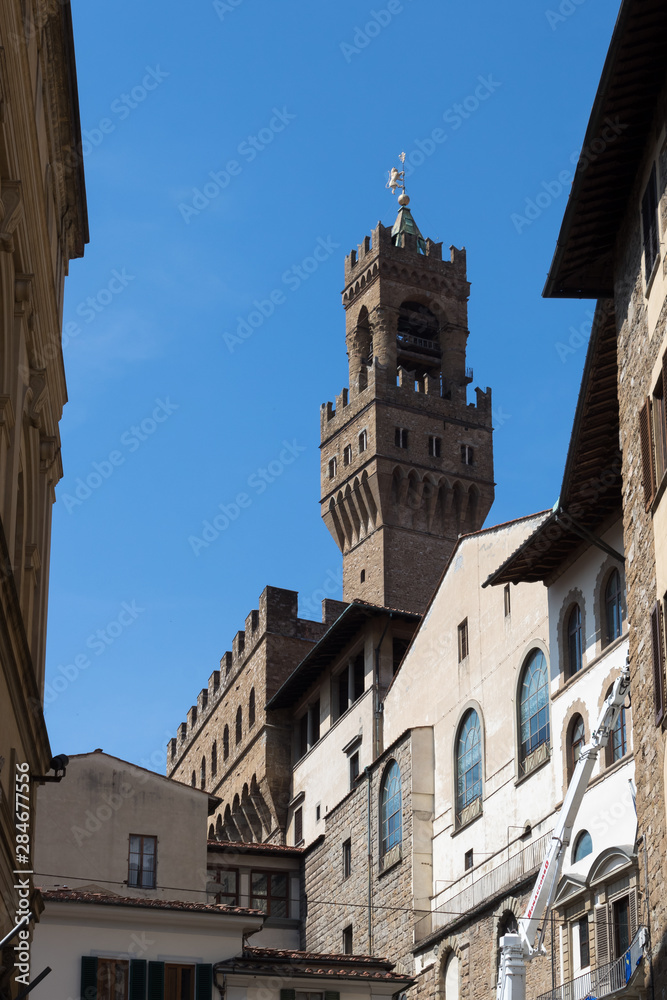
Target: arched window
[
  {"x": 507, "y": 925},
  {"x": 451, "y": 977},
  {"x": 574, "y": 660},
  {"x": 214, "y": 759},
  {"x": 211, "y": 832},
  {"x": 239, "y": 725},
  {"x": 617, "y": 746},
  {"x": 390, "y": 808},
  {"x": 202, "y": 773},
  {"x": 251, "y": 709},
  {"x": 468, "y": 762},
  {"x": 534, "y": 706},
  {"x": 225, "y": 743},
  {"x": 613, "y": 606},
  {"x": 583, "y": 846},
  {"x": 193, "y": 779},
  {"x": 576, "y": 742}
]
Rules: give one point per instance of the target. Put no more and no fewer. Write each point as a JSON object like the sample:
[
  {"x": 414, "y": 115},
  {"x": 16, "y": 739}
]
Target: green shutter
[
  {"x": 288, "y": 995},
  {"x": 331, "y": 995},
  {"x": 137, "y": 979},
  {"x": 88, "y": 978},
  {"x": 156, "y": 981},
  {"x": 203, "y": 982}
]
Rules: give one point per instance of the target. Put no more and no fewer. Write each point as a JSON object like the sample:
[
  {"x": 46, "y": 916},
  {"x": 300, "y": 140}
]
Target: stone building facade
[
  {"x": 43, "y": 225},
  {"x": 227, "y": 745},
  {"x": 617, "y": 254},
  {"x": 406, "y": 461}
]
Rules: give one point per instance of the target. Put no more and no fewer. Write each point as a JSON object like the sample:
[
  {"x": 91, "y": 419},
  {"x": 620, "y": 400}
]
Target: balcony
[
  {"x": 615, "y": 979},
  {"x": 407, "y": 340},
  {"x": 454, "y": 902}
]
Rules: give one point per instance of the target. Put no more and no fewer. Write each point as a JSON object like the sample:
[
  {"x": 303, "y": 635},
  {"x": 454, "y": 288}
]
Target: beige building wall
[
  {"x": 85, "y": 822},
  {"x": 43, "y": 225}
]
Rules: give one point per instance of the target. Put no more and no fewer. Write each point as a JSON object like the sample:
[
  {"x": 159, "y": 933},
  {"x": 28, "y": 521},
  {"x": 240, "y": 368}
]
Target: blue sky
[{"x": 223, "y": 143}]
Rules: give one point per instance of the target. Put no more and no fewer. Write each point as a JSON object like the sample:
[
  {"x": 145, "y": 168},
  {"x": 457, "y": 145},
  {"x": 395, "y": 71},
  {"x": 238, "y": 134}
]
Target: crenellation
[
  {"x": 238, "y": 648},
  {"x": 251, "y": 623},
  {"x": 192, "y": 718},
  {"x": 214, "y": 684},
  {"x": 226, "y": 665},
  {"x": 202, "y": 701}
]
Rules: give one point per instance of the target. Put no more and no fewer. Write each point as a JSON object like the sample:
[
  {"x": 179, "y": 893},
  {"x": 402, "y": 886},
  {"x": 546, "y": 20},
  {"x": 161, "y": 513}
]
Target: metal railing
[
  {"x": 407, "y": 338},
  {"x": 606, "y": 981},
  {"x": 519, "y": 865}
]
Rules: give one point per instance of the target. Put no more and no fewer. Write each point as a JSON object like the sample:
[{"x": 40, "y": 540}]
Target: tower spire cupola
[{"x": 405, "y": 224}]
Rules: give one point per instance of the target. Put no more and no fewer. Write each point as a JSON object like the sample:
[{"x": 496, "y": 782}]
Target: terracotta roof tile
[
  {"x": 77, "y": 896},
  {"x": 242, "y": 847},
  {"x": 294, "y": 964}
]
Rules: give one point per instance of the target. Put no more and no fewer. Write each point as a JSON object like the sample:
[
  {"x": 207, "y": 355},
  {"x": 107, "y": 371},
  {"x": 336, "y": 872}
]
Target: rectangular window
[
  {"x": 467, "y": 454},
  {"x": 650, "y": 224},
  {"x": 434, "y": 444},
  {"x": 333, "y": 468},
  {"x": 358, "y": 679},
  {"x": 347, "y": 940},
  {"x": 113, "y": 979},
  {"x": 269, "y": 893},
  {"x": 401, "y": 437},
  {"x": 318, "y": 813},
  {"x": 363, "y": 441},
  {"x": 347, "y": 454},
  {"x": 659, "y": 436},
  {"x": 143, "y": 862},
  {"x": 298, "y": 826},
  {"x": 658, "y": 663},
  {"x": 507, "y": 600},
  {"x": 226, "y": 885},
  {"x": 620, "y": 910},
  {"x": 648, "y": 460},
  {"x": 584, "y": 943},
  {"x": 468, "y": 860},
  {"x": 354, "y": 769},
  {"x": 302, "y": 747},
  {"x": 314, "y": 722},
  {"x": 179, "y": 982},
  {"x": 343, "y": 691},
  {"x": 463, "y": 639},
  {"x": 347, "y": 858}
]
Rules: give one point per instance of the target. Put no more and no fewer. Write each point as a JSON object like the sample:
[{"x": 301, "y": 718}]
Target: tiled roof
[
  {"x": 241, "y": 847},
  {"x": 76, "y": 896},
  {"x": 307, "y": 963}
]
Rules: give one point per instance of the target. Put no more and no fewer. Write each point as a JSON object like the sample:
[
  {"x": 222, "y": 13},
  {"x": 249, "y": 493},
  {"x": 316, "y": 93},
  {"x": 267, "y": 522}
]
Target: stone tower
[{"x": 407, "y": 462}]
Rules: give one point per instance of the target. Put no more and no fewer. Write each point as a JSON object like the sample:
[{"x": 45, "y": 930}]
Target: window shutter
[
  {"x": 155, "y": 981},
  {"x": 601, "y": 935},
  {"x": 632, "y": 912},
  {"x": 88, "y": 978},
  {"x": 203, "y": 982},
  {"x": 658, "y": 663},
  {"x": 288, "y": 995},
  {"x": 648, "y": 466},
  {"x": 137, "y": 979},
  {"x": 331, "y": 995}
]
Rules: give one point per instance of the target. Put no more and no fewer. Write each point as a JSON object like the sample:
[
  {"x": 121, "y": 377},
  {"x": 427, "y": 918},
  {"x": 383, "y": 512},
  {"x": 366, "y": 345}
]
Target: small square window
[
  {"x": 463, "y": 640},
  {"x": 434, "y": 446},
  {"x": 347, "y": 858},
  {"x": 333, "y": 468},
  {"x": 467, "y": 454},
  {"x": 401, "y": 437},
  {"x": 468, "y": 860},
  {"x": 363, "y": 441},
  {"x": 347, "y": 454},
  {"x": 507, "y": 600},
  {"x": 347, "y": 940}
]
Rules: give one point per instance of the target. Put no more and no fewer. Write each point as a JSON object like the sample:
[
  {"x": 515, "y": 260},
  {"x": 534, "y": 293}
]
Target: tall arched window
[
  {"x": 451, "y": 978},
  {"x": 574, "y": 658},
  {"x": 617, "y": 746},
  {"x": 239, "y": 724},
  {"x": 576, "y": 742},
  {"x": 506, "y": 925},
  {"x": 193, "y": 779},
  {"x": 534, "y": 706},
  {"x": 225, "y": 743},
  {"x": 214, "y": 759},
  {"x": 390, "y": 808},
  {"x": 613, "y": 606},
  {"x": 202, "y": 773},
  {"x": 468, "y": 762},
  {"x": 251, "y": 709}
]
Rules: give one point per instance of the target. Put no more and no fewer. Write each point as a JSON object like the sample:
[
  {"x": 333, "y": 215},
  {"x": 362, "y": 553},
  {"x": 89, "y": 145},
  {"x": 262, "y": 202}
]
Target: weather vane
[{"x": 397, "y": 179}]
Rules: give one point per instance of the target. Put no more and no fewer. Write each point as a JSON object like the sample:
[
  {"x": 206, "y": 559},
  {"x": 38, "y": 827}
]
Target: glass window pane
[{"x": 259, "y": 884}]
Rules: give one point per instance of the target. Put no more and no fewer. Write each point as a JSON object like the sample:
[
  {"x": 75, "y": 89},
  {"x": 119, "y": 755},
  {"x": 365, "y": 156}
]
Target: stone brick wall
[
  {"x": 638, "y": 352},
  {"x": 254, "y": 780},
  {"x": 332, "y": 902}
]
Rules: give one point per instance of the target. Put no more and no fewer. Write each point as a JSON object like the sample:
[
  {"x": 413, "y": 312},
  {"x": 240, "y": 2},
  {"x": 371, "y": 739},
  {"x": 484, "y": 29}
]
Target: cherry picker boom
[{"x": 518, "y": 948}]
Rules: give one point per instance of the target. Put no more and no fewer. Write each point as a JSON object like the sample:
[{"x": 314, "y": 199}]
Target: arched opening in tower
[{"x": 418, "y": 340}]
